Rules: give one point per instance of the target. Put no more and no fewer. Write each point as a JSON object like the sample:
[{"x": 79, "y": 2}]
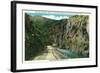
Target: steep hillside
[{"x": 77, "y": 36}]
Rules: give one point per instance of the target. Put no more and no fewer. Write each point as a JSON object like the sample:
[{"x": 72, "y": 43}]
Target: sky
[{"x": 55, "y": 16}]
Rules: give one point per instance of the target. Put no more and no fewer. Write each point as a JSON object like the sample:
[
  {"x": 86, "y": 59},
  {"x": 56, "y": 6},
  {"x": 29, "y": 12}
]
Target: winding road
[{"x": 52, "y": 54}]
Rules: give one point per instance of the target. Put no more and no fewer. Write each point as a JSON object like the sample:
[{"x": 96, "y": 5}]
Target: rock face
[
  {"x": 69, "y": 34},
  {"x": 77, "y": 34}
]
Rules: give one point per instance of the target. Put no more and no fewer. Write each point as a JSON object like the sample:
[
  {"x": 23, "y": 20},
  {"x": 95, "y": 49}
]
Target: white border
[{"x": 49, "y": 64}]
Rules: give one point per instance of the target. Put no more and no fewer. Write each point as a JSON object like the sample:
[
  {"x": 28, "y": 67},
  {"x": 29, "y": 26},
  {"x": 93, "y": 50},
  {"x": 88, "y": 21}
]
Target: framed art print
[{"x": 47, "y": 36}]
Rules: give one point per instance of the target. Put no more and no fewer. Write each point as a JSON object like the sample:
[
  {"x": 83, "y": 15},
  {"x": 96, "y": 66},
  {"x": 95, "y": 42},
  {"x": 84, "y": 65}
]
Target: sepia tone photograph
[{"x": 56, "y": 35}]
